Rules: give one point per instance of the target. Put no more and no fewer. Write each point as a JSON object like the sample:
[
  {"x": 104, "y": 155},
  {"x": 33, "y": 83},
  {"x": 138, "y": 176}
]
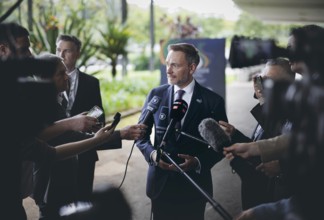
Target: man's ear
[{"x": 192, "y": 68}]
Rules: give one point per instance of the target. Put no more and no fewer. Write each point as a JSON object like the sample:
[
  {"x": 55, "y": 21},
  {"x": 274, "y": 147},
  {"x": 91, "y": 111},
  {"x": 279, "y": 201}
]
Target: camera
[{"x": 246, "y": 51}]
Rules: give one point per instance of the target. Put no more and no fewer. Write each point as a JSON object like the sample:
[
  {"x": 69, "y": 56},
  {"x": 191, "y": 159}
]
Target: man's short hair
[
  {"x": 283, "y": 63},
  {"x": 192, "y": 53},
  {"x": 70, "y": 38}
]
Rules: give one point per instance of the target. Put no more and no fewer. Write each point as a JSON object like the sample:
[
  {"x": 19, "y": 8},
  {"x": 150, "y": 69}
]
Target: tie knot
[{"x": 180, "y": 94}]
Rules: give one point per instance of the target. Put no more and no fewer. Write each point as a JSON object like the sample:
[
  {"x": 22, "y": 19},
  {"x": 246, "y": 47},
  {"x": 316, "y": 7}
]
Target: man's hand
[
  {"x": 133, "y": 132},
  {"x": 190, "y": 163}
]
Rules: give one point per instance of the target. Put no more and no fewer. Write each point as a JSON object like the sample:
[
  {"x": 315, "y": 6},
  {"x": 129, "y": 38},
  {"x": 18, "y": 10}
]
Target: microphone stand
[{"x": 221, "y": 211}]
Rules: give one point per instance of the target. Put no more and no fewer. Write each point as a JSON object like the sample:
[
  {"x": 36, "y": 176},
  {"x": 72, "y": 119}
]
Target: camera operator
[{"x": 302, "y": 149}]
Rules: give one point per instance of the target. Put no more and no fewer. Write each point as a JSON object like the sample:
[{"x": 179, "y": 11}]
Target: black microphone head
[
  {"x": 211, "y": 132},
  {"x": 154, "y": 104},
  {"x": 179, "y": 109}
]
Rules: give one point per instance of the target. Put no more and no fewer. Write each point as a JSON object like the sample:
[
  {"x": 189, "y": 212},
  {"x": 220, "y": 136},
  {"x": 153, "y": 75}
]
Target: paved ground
[{"x": 111, "y": 166}]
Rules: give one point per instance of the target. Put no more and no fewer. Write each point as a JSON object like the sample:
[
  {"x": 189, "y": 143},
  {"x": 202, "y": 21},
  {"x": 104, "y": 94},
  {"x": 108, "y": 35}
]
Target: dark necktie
[
  {"x": 179, "y": 96},
  {"x": 64, "y": 102}
]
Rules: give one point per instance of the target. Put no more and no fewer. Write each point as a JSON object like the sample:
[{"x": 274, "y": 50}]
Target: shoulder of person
[
  {"x": 208, "y": 93},
  {"x": 87, "y": 76},
  {"x": 160, "y": 89}
]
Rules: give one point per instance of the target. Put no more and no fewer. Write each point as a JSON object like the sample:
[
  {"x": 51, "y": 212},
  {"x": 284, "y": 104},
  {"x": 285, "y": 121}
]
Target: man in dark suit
[
  {"x": 83, "y": 94},
  {"x": 171, "y": 194}
]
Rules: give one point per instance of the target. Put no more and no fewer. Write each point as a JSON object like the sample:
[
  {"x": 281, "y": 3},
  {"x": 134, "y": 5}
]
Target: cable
[{"x": 130, "y": 154}]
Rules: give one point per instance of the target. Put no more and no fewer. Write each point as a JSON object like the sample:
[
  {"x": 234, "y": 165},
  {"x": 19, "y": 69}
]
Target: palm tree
[{"x": 113, "y": 43}]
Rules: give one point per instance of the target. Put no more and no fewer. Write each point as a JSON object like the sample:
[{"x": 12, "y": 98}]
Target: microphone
[
  {"x": 211, "y": 132},
  {"x": 151, "y": 109},
  {"x": 178, "y": 110}
]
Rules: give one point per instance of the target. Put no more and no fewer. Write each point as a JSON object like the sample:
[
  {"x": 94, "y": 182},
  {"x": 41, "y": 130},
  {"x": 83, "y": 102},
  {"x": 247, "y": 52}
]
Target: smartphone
[
  {"x": 258, "y": 82},
  {"x": 116, "y": 119},
  {"x": 95, "y": 112}
]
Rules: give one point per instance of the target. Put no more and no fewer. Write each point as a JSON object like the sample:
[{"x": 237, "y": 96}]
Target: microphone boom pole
[
  {"x": 179, "y": 109},
  {"x": 221, "y": 211}
]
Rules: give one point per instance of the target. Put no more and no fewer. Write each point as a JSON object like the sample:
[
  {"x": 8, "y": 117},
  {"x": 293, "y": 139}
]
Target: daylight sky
[{"x": 219, "y": 8}]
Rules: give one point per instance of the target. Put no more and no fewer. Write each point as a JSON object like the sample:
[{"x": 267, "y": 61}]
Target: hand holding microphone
[{"x": 211, "y": 132}]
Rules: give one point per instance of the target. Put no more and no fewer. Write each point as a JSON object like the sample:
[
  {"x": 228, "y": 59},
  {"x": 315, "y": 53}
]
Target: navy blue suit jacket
[{"x": 204, "y": 104}]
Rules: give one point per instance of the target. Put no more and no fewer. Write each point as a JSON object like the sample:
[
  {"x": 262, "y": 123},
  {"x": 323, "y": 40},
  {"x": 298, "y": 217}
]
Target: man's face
[
  {"x": 179, "y": 72},
  {"x": 22, "y": 48},
  {"x": 60, "y": 78},
  {"x": 69, "y": 52}
]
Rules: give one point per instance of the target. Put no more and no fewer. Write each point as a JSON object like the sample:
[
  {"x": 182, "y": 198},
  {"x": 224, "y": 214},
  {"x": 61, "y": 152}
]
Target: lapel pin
[{"x": 199, "y": 100}]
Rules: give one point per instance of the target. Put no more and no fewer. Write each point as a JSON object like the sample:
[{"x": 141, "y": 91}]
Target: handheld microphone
[
  {"x": 211, "y": 132},
  {"x": 151, "y": 109},
  {"x": 178, "y": 111}
]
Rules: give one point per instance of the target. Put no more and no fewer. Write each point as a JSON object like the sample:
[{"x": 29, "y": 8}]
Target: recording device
[
  {"x": 211, "y": 132},
  {"x": 246, "y": 51},
  {"x": 151, "y": 109},
  {"x": 258, "y": 82},
  {"x": 95, "y": 112},
  {"x": 178, "y": 111},
  {"x": 116, "y": 119}
]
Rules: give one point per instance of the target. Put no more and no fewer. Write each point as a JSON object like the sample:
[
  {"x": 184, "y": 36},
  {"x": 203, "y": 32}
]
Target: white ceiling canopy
[{"x": 303, "y": 11}]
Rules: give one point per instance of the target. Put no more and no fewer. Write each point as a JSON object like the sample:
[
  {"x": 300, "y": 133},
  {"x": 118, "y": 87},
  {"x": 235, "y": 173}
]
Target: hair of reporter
[
  {"x": 309, "y": 40},
  {"x": 9, "y": 32}
]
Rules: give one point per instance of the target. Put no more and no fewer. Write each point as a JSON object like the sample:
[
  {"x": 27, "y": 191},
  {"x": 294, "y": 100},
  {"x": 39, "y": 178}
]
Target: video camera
[{"x": 246, "y": 51}]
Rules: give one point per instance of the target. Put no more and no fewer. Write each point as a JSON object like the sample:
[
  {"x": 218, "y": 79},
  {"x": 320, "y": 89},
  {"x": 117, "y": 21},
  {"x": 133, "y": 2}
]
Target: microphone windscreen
[{"x": 211, "y": 132}]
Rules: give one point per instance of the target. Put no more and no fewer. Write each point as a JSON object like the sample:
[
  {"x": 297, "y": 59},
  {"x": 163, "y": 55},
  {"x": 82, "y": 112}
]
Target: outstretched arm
[
  {"x": 79, "y": 122},
  {"x": 65, "y": 151}
]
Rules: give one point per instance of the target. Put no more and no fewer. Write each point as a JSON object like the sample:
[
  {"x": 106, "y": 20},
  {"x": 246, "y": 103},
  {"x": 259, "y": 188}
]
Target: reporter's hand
[
  {"x": 104, "y": 133},
  {"x": 245, "y": 215},
  {"x": 244, "y": 150},
  {"x": 133, "y": 132},
  {"x": 82, "y": 122},
  {"x": 271, "y": 169},
  {"x": 227, "y": 128}
]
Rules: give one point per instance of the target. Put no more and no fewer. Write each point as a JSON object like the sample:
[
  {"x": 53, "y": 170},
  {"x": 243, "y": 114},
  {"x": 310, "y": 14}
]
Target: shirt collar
[
  {"x": 188, "y": 89},
  {"x": 72, "y": 75}
]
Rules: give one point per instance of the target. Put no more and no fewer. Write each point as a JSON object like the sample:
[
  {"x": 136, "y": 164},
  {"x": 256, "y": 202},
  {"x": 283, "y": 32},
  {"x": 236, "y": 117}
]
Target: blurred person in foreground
[
  {"x": 302, "y": 150},
  {"x": 256, "y": 186}
]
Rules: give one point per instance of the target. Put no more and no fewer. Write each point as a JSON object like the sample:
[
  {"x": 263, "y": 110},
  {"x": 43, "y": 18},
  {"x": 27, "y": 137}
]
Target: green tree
[{"x": 113, "y": 43}]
